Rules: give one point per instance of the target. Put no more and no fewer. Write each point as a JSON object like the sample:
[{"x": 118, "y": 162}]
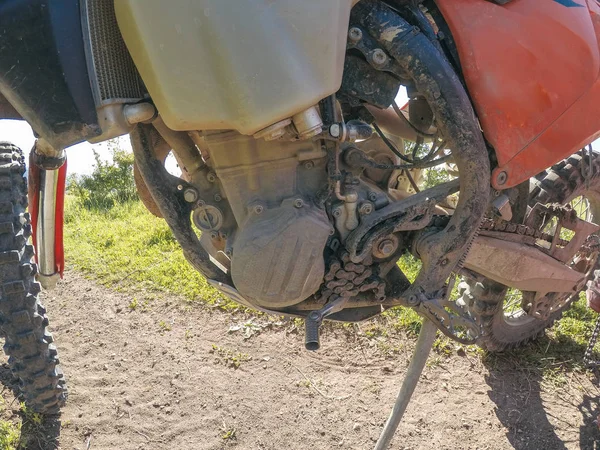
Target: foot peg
[{"x": 314, "y": 320}]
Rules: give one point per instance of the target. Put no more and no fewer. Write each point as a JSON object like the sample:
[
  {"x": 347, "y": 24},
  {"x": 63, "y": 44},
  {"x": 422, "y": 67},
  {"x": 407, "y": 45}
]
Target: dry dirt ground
[{"x": 167, "y": 376}]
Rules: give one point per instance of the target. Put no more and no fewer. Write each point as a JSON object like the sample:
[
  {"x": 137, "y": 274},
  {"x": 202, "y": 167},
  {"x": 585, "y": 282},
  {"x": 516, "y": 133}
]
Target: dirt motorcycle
[{"x": 303, "y": 182}]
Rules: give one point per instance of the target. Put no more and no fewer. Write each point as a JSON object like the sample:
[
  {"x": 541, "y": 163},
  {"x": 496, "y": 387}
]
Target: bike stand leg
[{"x": 415, "y": 368}]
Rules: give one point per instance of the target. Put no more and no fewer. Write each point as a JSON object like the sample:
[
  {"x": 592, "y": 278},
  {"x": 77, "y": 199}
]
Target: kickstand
[{"x": 415, "y": 368}]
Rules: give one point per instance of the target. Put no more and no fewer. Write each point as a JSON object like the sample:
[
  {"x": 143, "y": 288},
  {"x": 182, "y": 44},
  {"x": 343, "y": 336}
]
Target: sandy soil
[{"x": 172, "y": 376}]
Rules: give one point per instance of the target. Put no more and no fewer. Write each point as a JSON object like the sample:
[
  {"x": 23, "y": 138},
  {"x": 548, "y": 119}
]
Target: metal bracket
[{"x": 451, "y": 318}]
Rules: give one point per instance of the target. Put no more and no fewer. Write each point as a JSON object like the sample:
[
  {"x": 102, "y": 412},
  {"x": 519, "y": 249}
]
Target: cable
[
  {"x": 391, "y": 146},
  {"x": 411, "y": 180},
  {"x": 409, "y": 123},
  {"x": 352, "y": 157}
]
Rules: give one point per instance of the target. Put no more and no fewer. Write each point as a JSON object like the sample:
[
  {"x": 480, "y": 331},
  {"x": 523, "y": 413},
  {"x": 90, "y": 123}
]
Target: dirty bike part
[
  {"x": 411, "y": 379},
  {"x": 46, "y": 188},
  {"x": 521, "y": 267},
  {"x": 314, "y": 320},
  {"x": 271, "y": 192},
  {"x": 435, "y": 78},
  {"x": 170, "y": 200},
  {"x": 485, "y": 298},
  {"x": 451, "y": 318},
  {"x": 23, "y": 321}
]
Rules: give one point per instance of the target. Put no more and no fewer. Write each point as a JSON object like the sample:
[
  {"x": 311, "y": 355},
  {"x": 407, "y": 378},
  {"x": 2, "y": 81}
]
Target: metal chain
[
  {"x": 346, "y": 279},
  {"x": 587, "y": 358}
]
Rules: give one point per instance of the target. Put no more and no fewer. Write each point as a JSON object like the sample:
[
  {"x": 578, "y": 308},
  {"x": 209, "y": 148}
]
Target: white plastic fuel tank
[{"x": 235, "y": 64}]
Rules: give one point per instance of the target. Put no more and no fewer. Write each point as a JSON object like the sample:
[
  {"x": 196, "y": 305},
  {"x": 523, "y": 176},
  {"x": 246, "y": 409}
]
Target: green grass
[
  {"x": 20, "y": 429},
  {"x": 125, "y": 246},
  {"x": 10, "y": 435}
]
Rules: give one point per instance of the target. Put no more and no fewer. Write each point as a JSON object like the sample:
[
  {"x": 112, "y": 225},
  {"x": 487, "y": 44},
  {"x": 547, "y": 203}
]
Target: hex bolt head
[
  {"x": 337, "y": 212},
  {"x": 379, "y": 57},
  {"x": 298, "y": 203},
  {"x": 355, "y": 34},
  {"x": 258, "y": 209},
  {"x": 190, "y": 195},
  {"x": 218, "y": 197},
  {"x": 386, "y": 247},
  {"x": 372, "y": 196},
  {"x": 501, "y": 178},
  {"x": 309, "y": 165},
  {"x": 211, "y": 177}
]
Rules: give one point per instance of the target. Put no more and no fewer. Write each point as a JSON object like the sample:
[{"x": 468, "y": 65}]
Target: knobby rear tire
[{"x": 32, "y": 356}]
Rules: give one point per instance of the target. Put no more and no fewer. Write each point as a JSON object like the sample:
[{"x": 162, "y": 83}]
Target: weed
[
  {"x": 30, "y": 416},
  {"x": 228, "y": 432},
  {"x": 133, "y": 304},
  {"x": 303, "y": 383},
  {"x": 230, "y": 358},
  {"x": 164, "y": 326},
  {"x": 10, "y": 435}
]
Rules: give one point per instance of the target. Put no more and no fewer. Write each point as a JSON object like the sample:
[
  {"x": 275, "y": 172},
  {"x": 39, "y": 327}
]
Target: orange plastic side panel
[{"x": 531, "y": 68}]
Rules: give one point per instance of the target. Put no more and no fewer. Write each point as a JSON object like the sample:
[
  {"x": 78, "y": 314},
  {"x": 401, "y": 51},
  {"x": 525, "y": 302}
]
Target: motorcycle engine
[
  {"x": 267, "y": 227},
  {"x": 274, "y": 240}
]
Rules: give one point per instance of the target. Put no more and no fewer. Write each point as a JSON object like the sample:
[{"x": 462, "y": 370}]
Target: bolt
[
  {"x": 386, "y": 247},
  {"x": 412, "y": 300},
  {"x": 218, "y": 197},
  {"x": 228, "y": 253},
  {"x": 309, "y": 165},
  {"x": 214, "y": 235},
  {"x": 190, "y": 195},
  {"x": 337, "y": 212},
  {"x": 201, "y": 204},
  {"x": 366, "y": 209},
  {"x": 378, "y": 57},
  {"x": 258, "y": 209},
  {"x": 298, "y": 203},
  {"x": 501, "y": 178},
  {"x": 334, "y": 130},
  {"x": 180, "y": 187},
  {"x": 444, "y": 262},
  {"x": 355, "y": 34},
  {"x": 211, "y": 177},
  {"x": 372, "y": 196}
]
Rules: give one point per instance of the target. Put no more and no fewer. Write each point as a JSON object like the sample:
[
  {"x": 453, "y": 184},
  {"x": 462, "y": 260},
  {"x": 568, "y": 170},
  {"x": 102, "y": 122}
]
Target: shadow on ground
[
  {"x": 37, "y": 432},
  {"x": 517, "y": 380}
]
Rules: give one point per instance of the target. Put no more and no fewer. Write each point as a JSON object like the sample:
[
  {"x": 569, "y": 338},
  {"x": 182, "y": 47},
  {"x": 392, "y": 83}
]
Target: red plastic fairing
[{"x": 532, "y": 69}]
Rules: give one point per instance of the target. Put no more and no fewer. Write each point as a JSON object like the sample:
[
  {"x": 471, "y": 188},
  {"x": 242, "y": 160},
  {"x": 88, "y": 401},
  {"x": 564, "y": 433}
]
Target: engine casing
[{"x": 276, "y": 245}]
